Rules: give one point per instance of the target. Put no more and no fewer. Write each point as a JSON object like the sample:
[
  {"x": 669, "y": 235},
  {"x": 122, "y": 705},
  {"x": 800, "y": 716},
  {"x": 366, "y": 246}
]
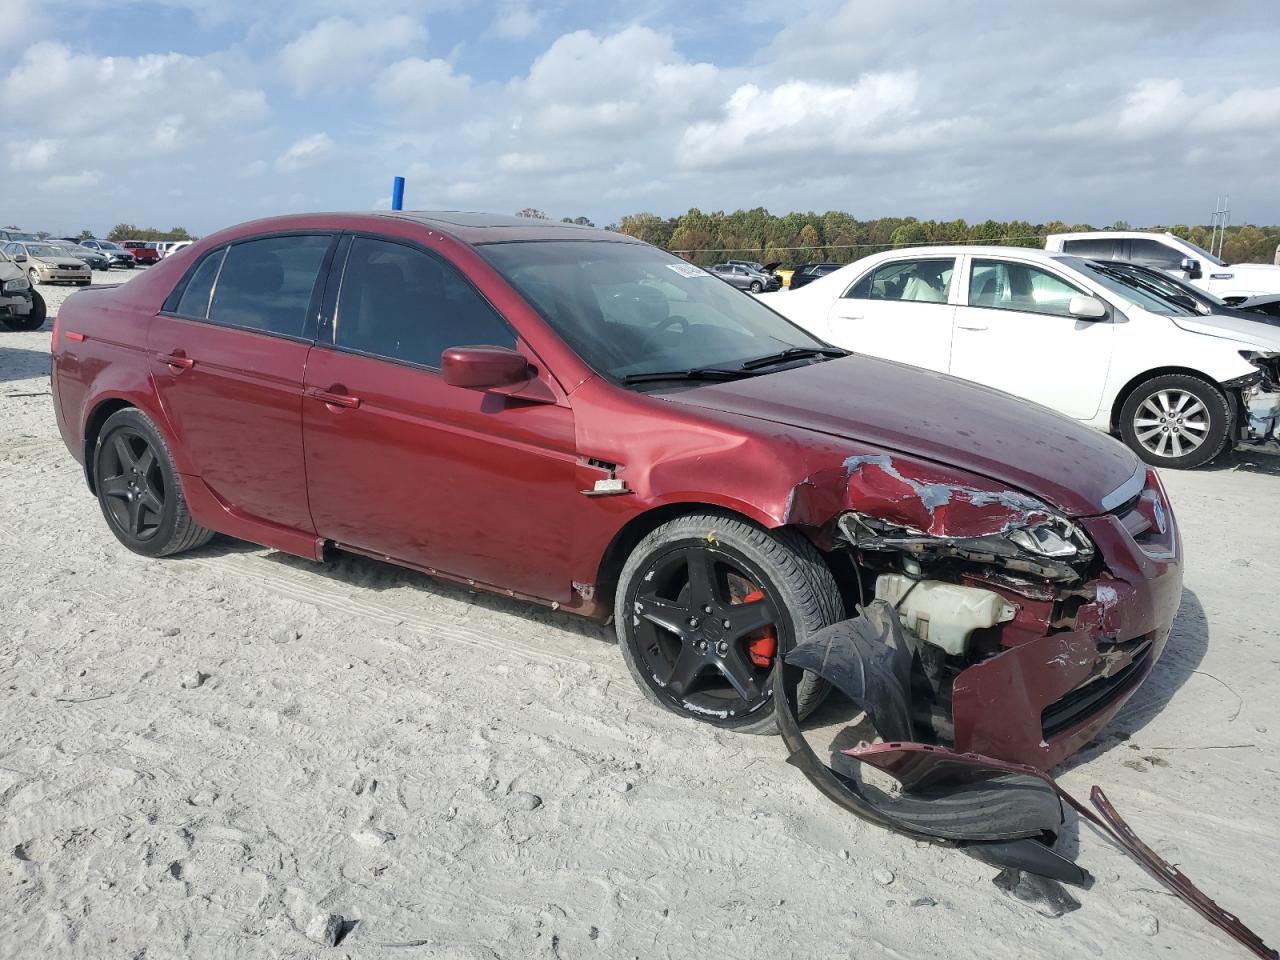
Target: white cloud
[
  {"x": 878, "y": 112},
  {"x": 306, "y": 152},
  {"x": 338, "y": 51},
  {"x": 421, "y": 85},
  {"x": 32, "y": 156},
  {"x": 149, "y": 94},
  {"x": 515, "y": 19}
]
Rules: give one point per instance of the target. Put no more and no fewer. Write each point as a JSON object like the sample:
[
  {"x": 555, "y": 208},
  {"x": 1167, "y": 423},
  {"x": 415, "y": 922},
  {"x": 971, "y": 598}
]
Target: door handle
[
  {"x": 972, "y": 326},
  {"x": 334, "y": 399},
  {"x": 849, "y": 316},
  {"x": 178, "y": 361}
]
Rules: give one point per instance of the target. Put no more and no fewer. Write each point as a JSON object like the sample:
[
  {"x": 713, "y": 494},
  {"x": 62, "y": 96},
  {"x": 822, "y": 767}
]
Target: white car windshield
[{"x": 1205, "y": 254}]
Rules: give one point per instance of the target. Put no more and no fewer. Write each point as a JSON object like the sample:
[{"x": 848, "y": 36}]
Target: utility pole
[{"x": 1220, "y": 220}]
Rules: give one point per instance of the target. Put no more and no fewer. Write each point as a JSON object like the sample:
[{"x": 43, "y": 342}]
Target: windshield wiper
[
  {"x": 695, "y": 373},
  {"x": 793, "y": 353}
]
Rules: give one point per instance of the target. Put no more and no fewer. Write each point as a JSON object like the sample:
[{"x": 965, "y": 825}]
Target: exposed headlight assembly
[
  {"x": 17, "y": 285},
  {"x": 1055, "y": 549}
]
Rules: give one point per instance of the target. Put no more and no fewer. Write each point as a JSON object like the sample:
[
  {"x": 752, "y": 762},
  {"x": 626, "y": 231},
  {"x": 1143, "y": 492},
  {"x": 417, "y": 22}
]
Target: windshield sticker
[{"x": 687, "y": 270}]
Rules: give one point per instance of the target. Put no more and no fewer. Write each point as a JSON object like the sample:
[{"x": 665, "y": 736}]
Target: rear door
[
  {"x": 1015, "y": 332},
  {"x": 228, "y": 354},
  {"x": 400, "y": 464},
  {"x": 899, "y": 310}
]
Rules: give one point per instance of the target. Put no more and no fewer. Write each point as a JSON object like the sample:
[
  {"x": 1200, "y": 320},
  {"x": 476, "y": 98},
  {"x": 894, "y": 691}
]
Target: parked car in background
[
  {"x": 120, "y": 257},
  {"x": 1265, "y": 309},
  {"x": 631, "y": 440},
  {"x": 7, "y": 235},
  {"x": 144, "y": 251},
  {"x": 177, "y": 245},
  {"x": 757, "y": 266},
  {"x": 808, "y": 272},
  {"x": 47, "y": 263},
  {"x": 94, "y": 258},
  {"x": 21, "y": 307},
  {"x": 1231, "y": 282},
  {"x": 1177, "y": 386},
  {"x": 746, "y": 278}
]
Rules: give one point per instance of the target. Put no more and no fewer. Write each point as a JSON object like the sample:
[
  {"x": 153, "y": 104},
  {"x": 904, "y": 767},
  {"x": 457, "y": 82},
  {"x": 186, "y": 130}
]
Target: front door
[
  {"x": 401, "y": 464},
  {"x": 227, "y": 359},
  {"x": 1015, "y": 332},
  {"x": 900, "y": 311}
]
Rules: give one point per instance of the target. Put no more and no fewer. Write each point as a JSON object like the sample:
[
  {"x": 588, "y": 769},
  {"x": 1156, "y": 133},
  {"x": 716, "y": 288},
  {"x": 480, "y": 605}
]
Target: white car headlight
[{"x": 16, "y": 286}]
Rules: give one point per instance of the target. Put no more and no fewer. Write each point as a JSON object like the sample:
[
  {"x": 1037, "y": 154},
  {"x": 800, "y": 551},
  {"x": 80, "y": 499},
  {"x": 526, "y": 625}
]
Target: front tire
[
  {"x": 32, "y": 321},
  {"x": 138, "y": 488},
  {"x": 34, "y": 277},
  {"x": 1176, "y": 420},
  {"x": 704, "y": 604},
  {"x": 755, "y": 286}
]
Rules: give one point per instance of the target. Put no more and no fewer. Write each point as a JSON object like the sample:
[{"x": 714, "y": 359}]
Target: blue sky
[{"x": 208, "y": 112}]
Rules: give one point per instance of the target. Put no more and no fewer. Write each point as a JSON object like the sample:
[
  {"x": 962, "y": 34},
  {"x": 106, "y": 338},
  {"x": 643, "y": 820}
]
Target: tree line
[{"x": 837, "y": 237}]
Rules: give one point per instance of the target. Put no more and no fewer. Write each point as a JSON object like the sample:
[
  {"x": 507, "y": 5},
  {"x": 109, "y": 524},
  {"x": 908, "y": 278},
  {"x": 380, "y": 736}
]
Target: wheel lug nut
[
  {"x": 693, "y": 621},
  {"x": 706, "y": 609},
  {"x": 722, "y": 648},
  {"x": 726, "y": 624}
]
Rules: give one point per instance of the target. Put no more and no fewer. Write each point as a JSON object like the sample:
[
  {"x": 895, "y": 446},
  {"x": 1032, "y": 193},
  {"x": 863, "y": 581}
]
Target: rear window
[{"x": 267, "y": 284}]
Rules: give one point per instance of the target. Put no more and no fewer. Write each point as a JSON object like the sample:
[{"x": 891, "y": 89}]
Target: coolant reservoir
[{"x": 943, "y": 614}]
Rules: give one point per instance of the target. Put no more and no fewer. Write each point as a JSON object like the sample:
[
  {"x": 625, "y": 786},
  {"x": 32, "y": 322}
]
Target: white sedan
[{"x": 1072, "y": 334}]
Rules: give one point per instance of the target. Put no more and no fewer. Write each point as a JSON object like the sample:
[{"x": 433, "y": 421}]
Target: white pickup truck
[{"x": 1232, "y": 282}]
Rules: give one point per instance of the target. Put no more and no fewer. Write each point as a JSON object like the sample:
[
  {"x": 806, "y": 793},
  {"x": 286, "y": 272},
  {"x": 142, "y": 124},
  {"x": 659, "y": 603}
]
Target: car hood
[
  {"x": 939, "y": 418},
  {"x": 1251, "y": 333},
  {"x": 67, "y": 261}
]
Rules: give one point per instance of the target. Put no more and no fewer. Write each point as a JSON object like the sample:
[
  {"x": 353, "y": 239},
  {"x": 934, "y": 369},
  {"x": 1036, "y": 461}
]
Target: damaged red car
[{"x": 578, "y": 419}]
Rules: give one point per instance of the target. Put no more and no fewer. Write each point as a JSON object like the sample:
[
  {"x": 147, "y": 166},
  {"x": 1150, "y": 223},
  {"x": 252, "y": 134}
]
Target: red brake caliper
[{"x": 762, "y": 649}]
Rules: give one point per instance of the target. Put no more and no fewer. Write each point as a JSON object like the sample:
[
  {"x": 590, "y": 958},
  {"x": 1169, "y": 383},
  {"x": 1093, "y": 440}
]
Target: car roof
[
  {"x": 1111, "y": 234},
  {"x": 477, "y": 228},
  {"x": 955, "y": 250}
]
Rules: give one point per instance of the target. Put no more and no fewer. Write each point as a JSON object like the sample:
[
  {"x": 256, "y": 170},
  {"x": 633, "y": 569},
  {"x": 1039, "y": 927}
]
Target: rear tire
[
  {"x": 796, "y": 584},
  {"x": 1176, "y": 420},
  {"x": 139, "y": 490}
]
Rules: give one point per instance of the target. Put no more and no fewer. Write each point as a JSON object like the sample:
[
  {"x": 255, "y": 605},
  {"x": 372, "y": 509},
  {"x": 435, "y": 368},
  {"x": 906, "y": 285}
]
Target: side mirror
[
  {"x": 1087, "y": 308},
  {"x": 1191, "y": 267},
  {"x": 483, "y": 368},
  {"x": 19, "y": 258}
]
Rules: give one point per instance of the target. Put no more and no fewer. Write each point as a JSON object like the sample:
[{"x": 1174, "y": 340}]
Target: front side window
[
  {"x": 1005, "y": 285},
  {"x": 267, "y": 284},
  {"x": 914, "y": 281},
  {"x": 629, "y": 310},
  {"x": 1153, "y": 253},
  {"x": 403, "y": 303}
]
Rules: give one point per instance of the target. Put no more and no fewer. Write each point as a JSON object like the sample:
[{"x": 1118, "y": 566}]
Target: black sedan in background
[
  {"x": 94, "y": 258},
  {"x": 808, "y": 272},
  {"x": 1265, "y": 308}
]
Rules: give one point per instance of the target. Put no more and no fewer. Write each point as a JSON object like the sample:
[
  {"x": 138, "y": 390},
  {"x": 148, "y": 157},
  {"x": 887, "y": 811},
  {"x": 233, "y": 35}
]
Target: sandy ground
[{"x": 479, "y": 778}]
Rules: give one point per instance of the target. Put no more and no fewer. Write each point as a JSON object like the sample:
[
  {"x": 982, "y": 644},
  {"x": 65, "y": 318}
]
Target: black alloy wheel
[
  {"x": 139, "y": 490},
  {"x": 132, "y": 484},
  {"x": 705, "y": 605}
]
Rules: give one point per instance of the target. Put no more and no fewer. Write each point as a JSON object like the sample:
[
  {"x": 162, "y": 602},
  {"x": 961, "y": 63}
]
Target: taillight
[{"x": 53, "y": 341}]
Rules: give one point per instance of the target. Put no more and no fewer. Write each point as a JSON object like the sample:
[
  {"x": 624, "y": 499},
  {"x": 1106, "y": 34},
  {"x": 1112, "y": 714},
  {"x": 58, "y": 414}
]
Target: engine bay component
[{"x": 944, "y": 614}]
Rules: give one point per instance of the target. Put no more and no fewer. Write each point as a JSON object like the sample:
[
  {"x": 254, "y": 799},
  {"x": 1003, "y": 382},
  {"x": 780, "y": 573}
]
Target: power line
[{"x": 856, "y": 246}]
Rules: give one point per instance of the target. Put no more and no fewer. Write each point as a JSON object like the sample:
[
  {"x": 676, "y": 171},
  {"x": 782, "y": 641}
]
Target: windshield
[
  {"x": 629, "y": 309},
  {"x": 43, "y": 250},
  {"x": 1127, "y": 289},
  {"x": 108, "y": 245}
]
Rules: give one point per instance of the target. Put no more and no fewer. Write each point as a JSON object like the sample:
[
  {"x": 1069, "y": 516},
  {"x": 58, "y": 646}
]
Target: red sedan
[{"x": 579, "y": 419}]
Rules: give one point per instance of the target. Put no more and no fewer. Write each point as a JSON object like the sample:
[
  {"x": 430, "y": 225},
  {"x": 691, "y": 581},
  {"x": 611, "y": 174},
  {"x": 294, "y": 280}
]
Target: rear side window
[
  {"x": 916, "y": 281},
  {"x": 1097, "y": 249},
  {"x": 1153, "y": 253},
  {"x": 404, "y": 304},
  {"x": 194, "y": 300},
  {"x": 267, "y": 284}
]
